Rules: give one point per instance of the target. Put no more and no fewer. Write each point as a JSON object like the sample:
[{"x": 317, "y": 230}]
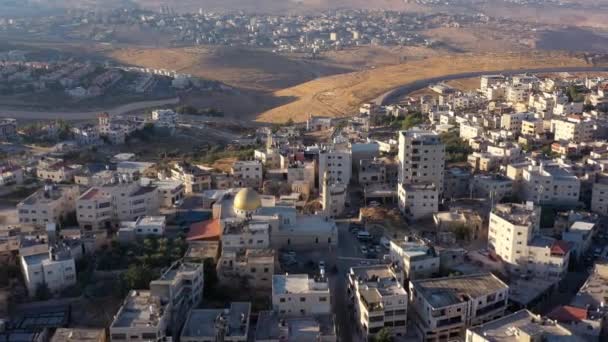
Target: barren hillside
[{"x": 340, "y": 95}]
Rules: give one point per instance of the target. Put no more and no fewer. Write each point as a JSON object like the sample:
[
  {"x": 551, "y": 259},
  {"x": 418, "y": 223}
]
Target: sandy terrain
[{"x": 341, "y": 95}]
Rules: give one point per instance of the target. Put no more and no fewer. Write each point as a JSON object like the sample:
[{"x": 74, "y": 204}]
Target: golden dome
[{"x": 247, "y": 200}]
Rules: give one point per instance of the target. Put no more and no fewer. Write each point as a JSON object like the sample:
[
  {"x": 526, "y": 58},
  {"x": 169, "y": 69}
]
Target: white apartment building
[
  {"x": 550, "y": 184},
  {"x": 421, "y": 158},
  {"x": 299, "y": 295},
  {"x": 372, "y": 171},
  {"x": 193, "y": 177},
  {"x": 415, "y": 258},
  {"x": 338, "y": 165},
  {"x": 418, "y": 200},
  {"x": 120, "y": 200},
  {"x": 55, "y": 268},
  {"x": 513, "y": 236},
  {"x": 227, "y": 325},
  {"x": 573, "y": 128},
  {"x": 181, "y": 284},
  {"x": 517, "y": 93},
  {"x": 142, "y": 227},
  {"x": 55, "y": 170},
  {"x": 142, "y": 317},
  {"x": 379, "y": 298},
  {"x": 443, "y": 308},
  {"x": 568, "y": 108},
  {"x": 490, "y": 80},
  {"x": 50, "y": 204},
  {"x": 580, "y": 236},
  {"x": 470, "y": 131},
  {"x": 532, "y": 126},
  {"x": 599, "y": 196},
  {"x": 521, "y": 326},
  {"x": 512, "y": 122},
  {"x": 248, "y": 174}
]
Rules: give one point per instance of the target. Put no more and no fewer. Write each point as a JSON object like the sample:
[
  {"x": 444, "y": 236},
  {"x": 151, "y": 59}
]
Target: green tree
[
  {"x": 384, "y": 335},
  {"x": 412, "y": 120},
  {"x": 138, "y": 277}
]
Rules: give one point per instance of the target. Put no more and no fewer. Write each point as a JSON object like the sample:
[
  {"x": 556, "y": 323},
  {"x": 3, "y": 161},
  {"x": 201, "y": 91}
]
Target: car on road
[
  {"x": 363, "y": 249},
  {"x": 321, "y": 264}
]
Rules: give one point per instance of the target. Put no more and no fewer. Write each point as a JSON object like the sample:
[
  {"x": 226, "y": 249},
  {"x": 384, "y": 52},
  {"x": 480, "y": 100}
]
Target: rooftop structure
[
  {"x": 521, "y": 326},
  {"x": 232, "y": 324},
  {"x": 272, "y": 327}
]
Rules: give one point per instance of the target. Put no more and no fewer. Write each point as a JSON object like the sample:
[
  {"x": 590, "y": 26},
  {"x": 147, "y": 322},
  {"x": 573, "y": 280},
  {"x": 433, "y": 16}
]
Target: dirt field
[{"x": 340, "y": 95}]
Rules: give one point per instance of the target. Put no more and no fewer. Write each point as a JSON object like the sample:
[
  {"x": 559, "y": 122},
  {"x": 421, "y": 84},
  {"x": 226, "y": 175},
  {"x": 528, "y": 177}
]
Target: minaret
[
  {"x": 269, "y": 141},
  {"x": 325, "y": 193}
]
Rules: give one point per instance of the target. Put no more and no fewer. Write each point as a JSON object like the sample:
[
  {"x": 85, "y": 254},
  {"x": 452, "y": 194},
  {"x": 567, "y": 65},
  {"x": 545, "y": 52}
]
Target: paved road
[
  {"x": 120, "y": 110},
  {"x": 391, "y": 95}
]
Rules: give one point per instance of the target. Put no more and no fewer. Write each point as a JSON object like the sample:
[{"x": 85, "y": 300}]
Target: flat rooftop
[
  {"x": 140, "y": 309},
  {"x": 297, "y": 283},
  {"x": 518, "y": 214},
  {"x": 595, "y": 290},
  {"x": 271, "y": 326},
  {"x": 441, "y": 292},
  {"x": 377, "y": 281},
  {"x": 78, "y": 334},
  {"x": 510, "y": 328},
  {"x": 152, "y": 221},
  {"x": 179, "y": 267},
  {"x": 201, "y": 250},
  {"x": 202, "y": 322}
]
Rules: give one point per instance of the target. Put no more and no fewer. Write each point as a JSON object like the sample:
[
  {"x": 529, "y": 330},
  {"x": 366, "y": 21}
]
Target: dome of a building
[{"x": 247, "y": 200}]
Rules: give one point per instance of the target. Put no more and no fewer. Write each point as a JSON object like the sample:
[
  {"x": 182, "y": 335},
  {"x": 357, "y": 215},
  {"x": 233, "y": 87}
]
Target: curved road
[
  {"x": 391, "y": 95},
  {"x": 120, "y": 110}
]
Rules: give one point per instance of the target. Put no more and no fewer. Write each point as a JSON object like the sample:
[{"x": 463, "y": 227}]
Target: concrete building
[
  {"x": 379, "y": 298},
  {"x": 142, "y": 227},
  {"x": 443, "y": 308},
  {"x": 532, "y": 126},
  {"x": 372, "y": 171},
  {"x": 337, "y": 164},
  {"x": 512, "y": 122},
  {"x": 248, "y": 174},
  {"x": 421, "y": 157},
  {"x": 418, "y": 200},
  {"x": 8, "y": 128},
  {"x": 228, "y": 325},
  {"x": 457, "y": 183},
  {"x": 272, "y": 327},
  {"x": 121, "y": 200},
  {"x": 415, "y": 258},
  {"x": 522, "y": 325},
  {"x": 239, "y": 233},
  {"x": 193, "y": 177},
  {"x": 255, "y": 267},
  {"x": 55, "y": 170},
  {"x": 299, "y": 295},
  {"x": 490, "y": 80},
  {"x": 51, "y": 204},
  {"x": 56, "y": 269},
  {"x": 494, "y": 187},
  {"x": 573, "y": 128},
  {"x": 333, "y": 196},
  {"x": 165, "y": 119},
  {"x": 170, "y": 192},
  {"x": 580, "y": 236},
  {"x": 513, "y": 236},
  {"x": 599, "y": 196},
  {"x": 11, "y": 175},
  {"x": 550, "y": 184},
  {"x": 142, "y": 317},
  {"x": 181, "y": 285}
]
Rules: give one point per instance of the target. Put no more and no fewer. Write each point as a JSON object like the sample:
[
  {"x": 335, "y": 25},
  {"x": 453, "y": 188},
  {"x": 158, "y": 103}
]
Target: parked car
[
  {"x": 364, "y": 235},
  {"x": 363, "y": 249}
]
